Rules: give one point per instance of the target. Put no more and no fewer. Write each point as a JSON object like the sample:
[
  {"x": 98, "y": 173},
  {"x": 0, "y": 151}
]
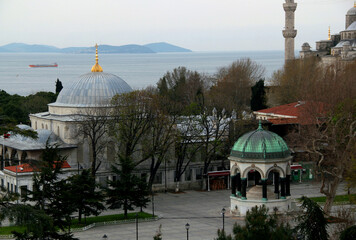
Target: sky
[{"x": 200, "y": 25}]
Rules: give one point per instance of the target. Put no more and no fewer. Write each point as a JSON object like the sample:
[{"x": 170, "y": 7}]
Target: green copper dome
[{"x": 260, "y": 144}]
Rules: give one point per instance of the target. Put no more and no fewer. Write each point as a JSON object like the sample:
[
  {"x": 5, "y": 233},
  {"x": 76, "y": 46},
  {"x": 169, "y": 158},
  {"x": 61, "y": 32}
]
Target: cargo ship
[{"x": 43, "y": 65}]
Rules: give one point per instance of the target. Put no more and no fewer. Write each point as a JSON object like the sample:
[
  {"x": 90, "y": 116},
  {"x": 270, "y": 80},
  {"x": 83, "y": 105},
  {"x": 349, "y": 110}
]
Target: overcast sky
[{"x": 200, "y": 25}]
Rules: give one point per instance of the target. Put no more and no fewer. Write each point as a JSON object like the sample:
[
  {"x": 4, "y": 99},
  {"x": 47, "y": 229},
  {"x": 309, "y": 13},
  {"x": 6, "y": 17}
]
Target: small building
[
  {"x": 260, "y": 169},
  {"x": 19, "y": 178}
]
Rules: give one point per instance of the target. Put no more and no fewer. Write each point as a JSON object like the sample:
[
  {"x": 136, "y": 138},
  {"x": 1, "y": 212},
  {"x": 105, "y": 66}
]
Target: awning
[
  {"x": 296, "y": 167},
  {"x": 219, "y": 173}
]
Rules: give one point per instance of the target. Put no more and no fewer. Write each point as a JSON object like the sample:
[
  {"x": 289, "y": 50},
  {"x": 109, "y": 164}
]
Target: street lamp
[
  {"x": 223, "y": 214},
  {"x": 136, "y": 226},
  {"x": 187, "y": 227}
]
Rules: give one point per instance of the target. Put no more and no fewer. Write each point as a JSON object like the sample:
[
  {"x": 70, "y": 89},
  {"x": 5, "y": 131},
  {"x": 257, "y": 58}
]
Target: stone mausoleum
[{"x": 260, "y": 172}]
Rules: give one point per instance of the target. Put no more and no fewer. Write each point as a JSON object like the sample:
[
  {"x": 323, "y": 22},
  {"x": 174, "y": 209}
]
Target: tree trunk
[
  {"x": 331, "y": 195},
  {"x": 80, "y": 215},
  {"x": 177, "y": 186},
  {"x": 125, "y": 209},
  {"x": 93, "y": 164}
]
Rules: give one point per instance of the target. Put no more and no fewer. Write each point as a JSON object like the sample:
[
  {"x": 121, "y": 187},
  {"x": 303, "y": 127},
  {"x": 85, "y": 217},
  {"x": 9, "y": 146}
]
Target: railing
[{"x": 115, "y": 222}]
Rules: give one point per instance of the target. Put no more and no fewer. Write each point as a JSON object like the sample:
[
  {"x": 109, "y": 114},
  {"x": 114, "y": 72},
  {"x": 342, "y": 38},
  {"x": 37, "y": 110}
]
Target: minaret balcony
[
  {"x": 289, "y": 7},
  {"x": 289, "y": 33}
]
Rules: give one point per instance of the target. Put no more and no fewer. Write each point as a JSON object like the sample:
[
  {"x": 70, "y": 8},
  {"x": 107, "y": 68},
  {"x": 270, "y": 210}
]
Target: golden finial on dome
[
  {"x": 329, "y": 36},
  {"x": 96, "y": 67}
]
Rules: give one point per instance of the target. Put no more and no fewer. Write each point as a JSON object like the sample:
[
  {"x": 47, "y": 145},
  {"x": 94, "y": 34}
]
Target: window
[
  {"x": 23, "y": 190},
  {"x": 144, "y": 176},
  {"x": 8, "y": 186},
  {"x": 2, "y": 182},
  {"x": 158, "y": 178},
  {"x": 198, "y": 173},
  {"x": 12, "y": 187},
  {"x": 188, "y": 174}
]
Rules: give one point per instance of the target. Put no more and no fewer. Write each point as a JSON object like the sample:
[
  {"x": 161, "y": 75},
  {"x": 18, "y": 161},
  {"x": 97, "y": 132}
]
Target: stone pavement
[{"x": 201, "y": 209}]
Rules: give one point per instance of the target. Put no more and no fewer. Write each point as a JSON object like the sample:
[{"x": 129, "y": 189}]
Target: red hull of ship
[{"x": 43, "y": 65}]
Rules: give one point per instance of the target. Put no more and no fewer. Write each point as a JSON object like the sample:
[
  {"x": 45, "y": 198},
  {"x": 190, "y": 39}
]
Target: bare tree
[
  {"x": 162, "y": 133},
  {"x": 235, "y": 81},
  {"x": 215, "y": 131},
  {"x": 131, "y": 122},
  {"x": 93, "y": 126},
  {"x": 330, "y": 130},
  {"x": 296, "y": 77},
  {"x": 187, "y": 145}
]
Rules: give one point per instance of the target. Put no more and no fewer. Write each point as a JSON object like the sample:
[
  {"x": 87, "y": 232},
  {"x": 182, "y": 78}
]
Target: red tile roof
[
  {"x": 25, "y": 168},
  {"x": 294, "y": 113}
]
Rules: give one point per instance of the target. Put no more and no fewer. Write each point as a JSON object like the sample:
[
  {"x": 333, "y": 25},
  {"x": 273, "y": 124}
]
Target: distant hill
[
  {"x": 165, "y": 47},
  {"x": 130, "y": 48},
  {"x": 22, "y": 47}
]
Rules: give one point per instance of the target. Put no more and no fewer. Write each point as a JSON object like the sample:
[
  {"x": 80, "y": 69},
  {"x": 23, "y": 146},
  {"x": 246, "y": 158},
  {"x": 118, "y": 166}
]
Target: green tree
[
  {"x": 182, "y": 86},
  {"x": 312, "y": 223},
  {"x": 59, "y": 86},
  {"x": 50, "y": 194},
  {"x": 222, "y": 235},
  {"x": 84, "y": 196},
  {"x": 258, "y": 98},
  {"x": 259, "y": 223},
  {"x": 348, "y": 233},
  {"x": 128, "y": 190}
]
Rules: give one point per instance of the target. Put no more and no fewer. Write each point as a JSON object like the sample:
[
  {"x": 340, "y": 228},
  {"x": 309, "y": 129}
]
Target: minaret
[{"x": 289, "y": 32}]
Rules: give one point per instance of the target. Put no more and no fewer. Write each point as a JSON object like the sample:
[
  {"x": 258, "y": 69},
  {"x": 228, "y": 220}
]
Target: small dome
[
  {"x": 352, "y": 26},
  {"x": 92, "y": 89},
  {"x": 352, "y": 11},
  {"x": 43, "y": 136},
  {"x": 260, "y": 144},
  {"x": 305, "y": 44},
  {"x": 24, "y": 127}
]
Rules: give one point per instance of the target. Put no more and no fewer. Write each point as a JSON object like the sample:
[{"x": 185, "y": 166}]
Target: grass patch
[
  {"x": 338, "y": 199},
  {"x": 8, "y": 229},
  {"x": 107, "y": 218}
]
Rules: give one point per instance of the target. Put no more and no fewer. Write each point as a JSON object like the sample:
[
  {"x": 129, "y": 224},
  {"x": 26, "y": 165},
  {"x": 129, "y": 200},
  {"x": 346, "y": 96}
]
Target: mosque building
[
  {"x": 341, "y": 46},
  {"x": 59, "y": 126},
  {"x": 89, "y": 95}
]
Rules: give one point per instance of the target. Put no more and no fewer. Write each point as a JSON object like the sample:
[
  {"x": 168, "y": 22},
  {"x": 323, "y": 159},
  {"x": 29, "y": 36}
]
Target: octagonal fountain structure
[{"x": 260, "y": 172}]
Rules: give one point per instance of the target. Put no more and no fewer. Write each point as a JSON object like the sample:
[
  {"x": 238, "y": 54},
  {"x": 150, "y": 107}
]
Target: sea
[{"x": 138, "y": 70}]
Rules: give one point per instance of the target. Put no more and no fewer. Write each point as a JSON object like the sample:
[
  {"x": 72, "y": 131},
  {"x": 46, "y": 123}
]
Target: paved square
[{"x": 201, "y": 209}]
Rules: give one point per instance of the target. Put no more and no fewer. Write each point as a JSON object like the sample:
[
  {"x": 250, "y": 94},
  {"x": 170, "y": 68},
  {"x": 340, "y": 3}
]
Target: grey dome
[
  {"x": 352, "y": 11},
  {"x": 92, "y": 89},
  {"x": 351, "y": 43},
  {"x": 352, "y": 26}
]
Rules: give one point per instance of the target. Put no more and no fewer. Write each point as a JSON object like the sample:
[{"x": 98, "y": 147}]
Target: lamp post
[
  {"x": 136, "y": 226},
  {"x": 223, "y": 214},
  {"x": 6, "y": 135},
  {"x": 16, "y": 187},
  {"x": 187, "y": 227}
]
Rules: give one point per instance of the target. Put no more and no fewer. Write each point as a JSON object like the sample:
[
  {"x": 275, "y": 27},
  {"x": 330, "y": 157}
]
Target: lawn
[
  {"x": 88, "y": 221},
  {"x": 338, "y": 198}
]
